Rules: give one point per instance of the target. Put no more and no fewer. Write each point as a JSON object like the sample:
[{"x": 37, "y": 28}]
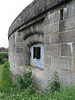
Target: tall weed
[
  {"x": 25, "y": 80},
  {"x": 53, "y": 84}
]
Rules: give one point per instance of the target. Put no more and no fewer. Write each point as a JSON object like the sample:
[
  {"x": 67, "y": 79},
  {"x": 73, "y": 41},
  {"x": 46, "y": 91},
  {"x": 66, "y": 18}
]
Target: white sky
[{"x": 9, "y": 10}]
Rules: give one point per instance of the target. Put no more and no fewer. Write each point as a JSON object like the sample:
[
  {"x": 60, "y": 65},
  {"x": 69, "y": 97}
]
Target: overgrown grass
[
  {"x": 0, "y": 74},
  {"x": 6, "y": 83},
  {"x": 9, "y": 91}
]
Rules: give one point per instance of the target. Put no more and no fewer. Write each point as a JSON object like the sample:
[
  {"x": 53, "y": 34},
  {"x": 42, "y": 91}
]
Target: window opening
[
  {"x": 61, "y": 14},
  {"x": 36, "y": 52}
]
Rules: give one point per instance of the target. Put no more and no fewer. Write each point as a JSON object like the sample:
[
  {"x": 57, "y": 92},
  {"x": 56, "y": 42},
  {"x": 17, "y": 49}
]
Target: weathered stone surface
[
  {"x": 37, "y": 75},
  {"x": 55, "y": 38},
  {"x": 73, "y": 50},
  {"x": 63, "y": 37},
  {"x": 53, "y": 17},
  {"x": 29, "y": 12},
  {"x": 66, "y": 49},
  {"x": 71, "y": 11},
  {"x": 19, "y": 50},
  {"x": 67, "y": 36},
  {"x": 73, "y": 77},
  {"x": 67, "y": 24},
  {"x": 47, "y": 39},
  {"x": 41, "y": 23},
  {"x": 12, "y": 76},
  {"x": 52, "y": 50},
  {"x": 51, "y": 28},
  {"x": 37, "y": 38},
  {"x": 19, "y": 40},
  {"x": 61, "y": 62},
  {"x": 74, "y": 47},
  {"x": 47, "y": 60},
  {"x": 71, "y": 3},
  {"x": 65, "y": 77},
  {"x": 73, "y": 64}
]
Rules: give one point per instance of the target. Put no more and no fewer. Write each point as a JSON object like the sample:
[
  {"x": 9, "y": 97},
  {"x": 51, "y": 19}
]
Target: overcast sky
[{"x": 9, "y": 10}]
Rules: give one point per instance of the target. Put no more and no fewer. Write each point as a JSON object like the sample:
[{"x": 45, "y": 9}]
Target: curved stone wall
[
  {"x": 20, "y": 43},
  {"x": 53, "y": 26},
  {"x": 36, "y": 8}
]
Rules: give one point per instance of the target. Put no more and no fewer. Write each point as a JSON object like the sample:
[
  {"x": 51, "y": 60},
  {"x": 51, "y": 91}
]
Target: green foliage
[
  {"x": 25, "y": 80},
  {"x": 5, "y": 80},
  {"x": 28, "y": 64},
  {"x": 20, "y": 82},
  {"x": 65, "y": 94},
  {"x": 9, "y": 91},
  {"x": 30, "y": 94},
  {"x": 1, "y": 61},
  {"x": 53, "y": 84},
  {"x": 3, "y": 57}
]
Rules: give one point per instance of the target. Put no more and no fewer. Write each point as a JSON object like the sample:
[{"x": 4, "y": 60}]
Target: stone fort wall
[
  {"x": 53, "y": 24},
  {"x": 36, "y": 8}
]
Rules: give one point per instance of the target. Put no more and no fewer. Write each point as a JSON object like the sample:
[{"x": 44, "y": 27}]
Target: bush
[
  {"x": 25, "y": 80},
  {"x": 1, "y": 61},
  {"x": 3, "y": 57}
]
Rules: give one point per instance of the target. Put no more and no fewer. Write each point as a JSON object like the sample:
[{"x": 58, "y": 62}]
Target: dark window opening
[
  {"x": 36, "y": 52},
  {"x": 61, "y": 14}
]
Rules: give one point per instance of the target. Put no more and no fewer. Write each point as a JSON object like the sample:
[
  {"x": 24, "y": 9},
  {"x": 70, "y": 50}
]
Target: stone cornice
[{"x": 36, "y": 8}]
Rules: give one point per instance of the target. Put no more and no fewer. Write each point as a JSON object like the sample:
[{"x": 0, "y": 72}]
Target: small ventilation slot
[{"x": 61, "y": 14}]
